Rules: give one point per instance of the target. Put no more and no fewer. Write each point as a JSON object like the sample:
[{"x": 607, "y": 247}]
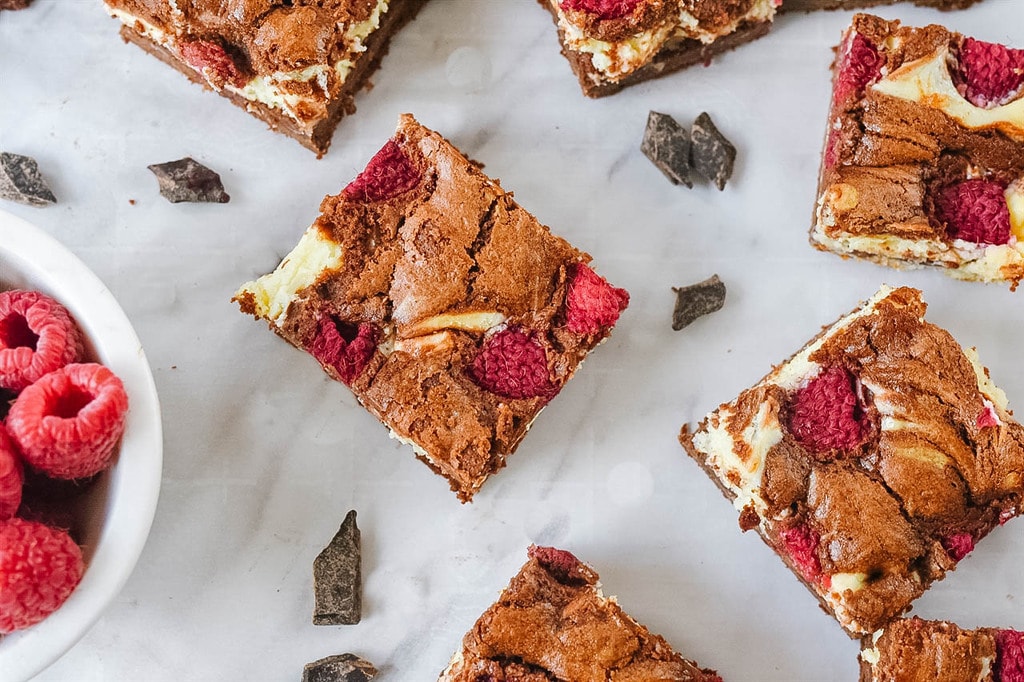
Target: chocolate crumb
[
  {"x": 188, "y": 180},
  {"x": 711, "y": 154},
  {"x": 697, "y": 300},
  {"x": 339, "y": 668},
  {"x": 337, "y": 578},
  {"x": 21, "y": 181},
  {"x": 667, "y": 145}
]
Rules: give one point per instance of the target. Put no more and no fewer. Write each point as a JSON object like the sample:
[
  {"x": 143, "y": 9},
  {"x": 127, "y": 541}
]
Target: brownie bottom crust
[
  {"x": 318, "y": 137},
  {"x": 809, "y": 5}
]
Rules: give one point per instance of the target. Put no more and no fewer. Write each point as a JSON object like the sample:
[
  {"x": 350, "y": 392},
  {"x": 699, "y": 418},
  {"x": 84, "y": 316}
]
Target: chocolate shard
[
  {"x": 21, "y": 181},
  {"x": 188, "y": 180},
  {"x": 339, "y": 668},
  {"x": 337, "y": 578},
  {"x": 667, "y": 145},
  {"x": 711, "y": 154},
  {"x": 697, "y": 300}
]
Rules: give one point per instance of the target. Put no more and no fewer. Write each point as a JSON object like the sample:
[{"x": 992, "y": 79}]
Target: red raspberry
[
  {"x": 592, "y": 305},
  {"x": 989, "y": 75},
  {"x": 214, "y": 62},
  {"x": 958, "y": 545},
  {"x": 826, "y": 414},
  {"x": 512, "y": 364},
  {"x": 560, "y": 563},
  {"x": 37, "y": 336},
  {"x": 975, "y": 211},
  {"x": 389, "y": 173},
  {"x": 344, "y": 346},
  {"x": 801, "y": 543},
  {"x": 860, "y": 64},
  {"x": 39, "y": 568},
  {"x": 1009, "y": 665},
  {"x": 68, "y": 423},
  {"x": 987, "y": 417},
  {"x": 605, "y": 9},
  {"x": 11, "y": 476}
]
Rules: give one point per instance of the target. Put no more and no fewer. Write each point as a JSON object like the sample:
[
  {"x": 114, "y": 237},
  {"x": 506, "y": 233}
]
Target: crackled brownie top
[
  {"x": 916, "y": 650},
  {"x": 451, "y": 312},
  {"x": 872, "y": 460},
  {"x": 552, "y": 624},
  {"x": 924, "y": 158}
]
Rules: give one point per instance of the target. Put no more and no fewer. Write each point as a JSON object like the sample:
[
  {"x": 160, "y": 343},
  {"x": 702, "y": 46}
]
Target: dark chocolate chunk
[
  {"x": 667, "y": 145},
  {"x": 188, "y": 180},
  {"x": 337, "y": 578},
  {"x": 711, "y": 154},
  {"x": 21, "y": 181},
  {"x": 697, "y": 300},
  {"x": 339, "y": 668}
]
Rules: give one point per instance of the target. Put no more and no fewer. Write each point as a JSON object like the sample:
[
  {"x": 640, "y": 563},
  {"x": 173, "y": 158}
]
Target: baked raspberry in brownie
[
  {"x": 452, "y": 313},
  {"x": 614, "y": 43},
  {"x": 552, "y": 624},
  {"x": 924, "y": 154},
  {"x": 916, "y": 650},
  {"x": 871, "y": 461},
  {"x": 295, "y": 64},
  {"x": 807, "y": 5}
]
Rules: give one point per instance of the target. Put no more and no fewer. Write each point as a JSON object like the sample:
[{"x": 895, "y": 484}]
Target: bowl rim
[{"x": 134, "y": 480}]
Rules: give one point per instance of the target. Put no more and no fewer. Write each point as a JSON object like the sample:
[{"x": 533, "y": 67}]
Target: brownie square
[
  {"x": 452, "y": 313},
  {"x": 552, "y": 623},
  {"x": 913, "y": 649},
  {"x": 871, "y": 461},
  {"x": 611, "y": 45},
  {"x": 924, "y": 152},
  {"x": 296, "y": 66}
]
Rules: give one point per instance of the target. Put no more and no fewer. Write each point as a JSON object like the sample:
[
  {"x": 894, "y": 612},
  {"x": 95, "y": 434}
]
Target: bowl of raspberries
[{"x": 80, "y": 449}]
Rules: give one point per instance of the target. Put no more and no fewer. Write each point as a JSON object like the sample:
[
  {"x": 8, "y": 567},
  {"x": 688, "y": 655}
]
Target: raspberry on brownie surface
[
  {"x": 871, "y": 461},
  {"x": 924, "y": 152},
  {"x": 611, "y": 44},
  {"x": 295, "y": 65},
  {"x": 916, "y": 650},
  {"x": 552, "y": 623},
  {"x": 452, "y": 313}
]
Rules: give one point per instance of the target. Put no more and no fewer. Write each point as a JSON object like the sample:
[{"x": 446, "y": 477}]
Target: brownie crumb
[
  {"x": 21, "y": 181},
  {"x": 667, "y": 145},
  {"x": 711, "y": 154},
  {"x": 337, "y": 577},
  {"x": 339, "y": 668},
  {"x": 697, "y": 300},
  {"x": 188, "y": 180}
]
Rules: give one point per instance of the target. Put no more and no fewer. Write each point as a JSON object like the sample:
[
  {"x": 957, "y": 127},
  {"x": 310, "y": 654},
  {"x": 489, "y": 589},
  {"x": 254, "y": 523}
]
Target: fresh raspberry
[
  {"x": 958, "y": 545},
  {"x": 1009, "y": 665},
  {"x": 512, "y": 364},
  {"x": 989, "y": 74},
  {"x": 344, "y": 346},
  {"x": 826, "y": 414},
  {"x": 11, "y": 476},
  {"x": 214, "y": 62},
  {"x": 605, "y": 9},
  {"x": 389, "y": 173},
  {"x": 37, "y": 336},
  {"x": 801, "y": 543},
  {"x": 39, "y": 568},
  {"x": 558, "y": 562},
  {"x": 68, "y": 423},
  {"x": 592, "y": 305},
  {"x": 860, "y": 64},
  {"x": 975, "y": 211}
]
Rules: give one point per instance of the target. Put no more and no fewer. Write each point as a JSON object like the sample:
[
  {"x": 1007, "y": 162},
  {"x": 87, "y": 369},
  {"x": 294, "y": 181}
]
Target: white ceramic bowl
[{"x": 120, "y": 508}]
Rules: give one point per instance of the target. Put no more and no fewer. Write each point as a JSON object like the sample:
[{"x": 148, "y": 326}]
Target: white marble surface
[{"x": 264, "y": 455}]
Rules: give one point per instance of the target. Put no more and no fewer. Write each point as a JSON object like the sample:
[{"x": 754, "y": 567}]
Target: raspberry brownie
[
  {"x": 807, "y": 5},
  {"x": 924, "y": 156},
  {"x": 452, "y": 313},
  {"x": 871, "y": 461},
  {"x": 552, "y": 623},
  {"x": 614, "y": 43},
  {"x": 915, "y": 650},
  {"x": 295, "y": 65}
]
